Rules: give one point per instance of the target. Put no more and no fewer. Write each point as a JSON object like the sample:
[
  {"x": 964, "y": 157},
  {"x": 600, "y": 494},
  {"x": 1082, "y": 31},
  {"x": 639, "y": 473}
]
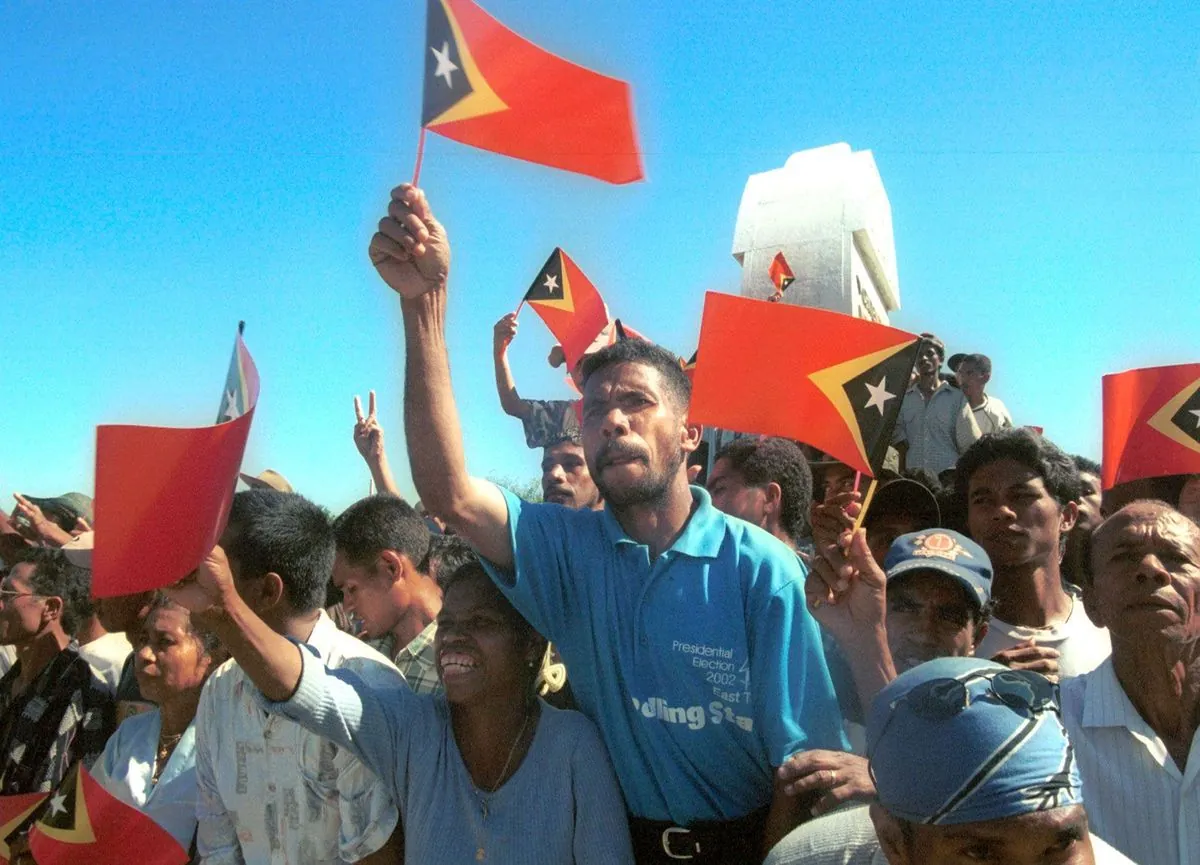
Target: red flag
[
  {"x": 163, "y": 494},
  {"x": 490, "y": 88},
  {"x": 15, "y": 811},
  {"x": 83, "y": 822},
  {"x": 780, "y": 273},
  {"x": 830, "y": 380},
  {"x": 1151, "y": 423},
  {"x": 569, "y": 305}
]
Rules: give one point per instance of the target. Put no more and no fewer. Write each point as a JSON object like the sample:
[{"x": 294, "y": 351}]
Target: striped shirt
[
  {"x": 1137, "y": 798},
  {"x": 937, "y": 429}
]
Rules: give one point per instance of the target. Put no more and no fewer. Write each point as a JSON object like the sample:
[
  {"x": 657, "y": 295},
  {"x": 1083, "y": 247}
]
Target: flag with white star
[
  {"x": 239, "y": 391},
  {"x": 16, "y": 812},
  {"x": 83, "y": 822},
  {"x": 164, "y": 493},
  {"x": 1151, "y": 423},
  {"x": 829, "y": 380},
  {"x": 488, "y": 87},
  {"x": 565, "y": 299},
  {"x": 780, "y": 273}
]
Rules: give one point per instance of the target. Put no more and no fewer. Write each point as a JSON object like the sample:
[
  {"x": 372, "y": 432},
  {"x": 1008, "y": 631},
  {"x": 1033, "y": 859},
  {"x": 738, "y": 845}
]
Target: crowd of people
[{"x": 670, "y": 658}]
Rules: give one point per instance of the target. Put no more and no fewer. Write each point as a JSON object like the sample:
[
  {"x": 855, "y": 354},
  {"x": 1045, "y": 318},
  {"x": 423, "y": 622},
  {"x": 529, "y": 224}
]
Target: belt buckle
[{"x": 666, "y": 843}]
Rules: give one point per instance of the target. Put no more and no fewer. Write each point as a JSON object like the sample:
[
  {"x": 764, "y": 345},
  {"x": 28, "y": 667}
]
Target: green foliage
[{"x": 530, "y": 490}]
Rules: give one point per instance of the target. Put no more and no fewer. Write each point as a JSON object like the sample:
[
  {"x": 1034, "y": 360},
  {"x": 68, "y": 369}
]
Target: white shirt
[
  {"x": 847, "y": 837},
  {"x": 1081, "y": 645},
  {"x": 107, "y": 656},
  {"x": 126, "y": 769},
  {"x": 992, "y": 415},
  {"x": 272, "y": 792},
  {"x": 1137, "y": 798}
]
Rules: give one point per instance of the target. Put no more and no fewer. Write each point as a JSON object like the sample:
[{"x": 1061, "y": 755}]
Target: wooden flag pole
[
  {"x": 420, "y": 157},
  {"x": 519, "y": 305},
  {"x": 866, "y": 504}
]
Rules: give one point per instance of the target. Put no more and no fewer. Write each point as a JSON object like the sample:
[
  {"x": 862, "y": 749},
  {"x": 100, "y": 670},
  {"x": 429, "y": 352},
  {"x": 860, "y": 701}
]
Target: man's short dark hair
[
  {"x": 678, "y": 387},
  {"x": 1085, "y": 465},
  {"x": 447, "y": 553},
  {"x": 377, "y": 523},
  {"x": 1023, "y": 445},
  {"x": 763, "y": 460},
  {"x": 285, "y": 534},
  {"x": 938, "y": 345},
  {"x": 55, "y": 577}
]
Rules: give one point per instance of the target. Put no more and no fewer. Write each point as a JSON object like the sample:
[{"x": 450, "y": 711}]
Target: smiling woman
[{"x": 465, "y": 766}]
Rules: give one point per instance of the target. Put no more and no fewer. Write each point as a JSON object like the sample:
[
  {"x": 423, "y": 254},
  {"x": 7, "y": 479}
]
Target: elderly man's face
[{"x": 1146, "y": 575}]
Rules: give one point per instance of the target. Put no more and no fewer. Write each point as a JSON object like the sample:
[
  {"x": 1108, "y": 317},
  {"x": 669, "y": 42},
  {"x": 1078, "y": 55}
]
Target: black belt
[{"x": 720, "y": 842}]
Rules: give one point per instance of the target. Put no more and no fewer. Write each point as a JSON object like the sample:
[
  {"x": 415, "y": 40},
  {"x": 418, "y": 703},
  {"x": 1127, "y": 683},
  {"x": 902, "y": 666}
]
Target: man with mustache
[
  {"x": 1020, "y": 493},
  {"x": 1135, "y": 719},
  {"x": 685, "y": 631}
]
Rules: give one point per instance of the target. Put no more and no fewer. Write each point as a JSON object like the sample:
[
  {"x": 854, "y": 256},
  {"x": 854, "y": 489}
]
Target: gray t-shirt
[{"x": 562, "y": 805}]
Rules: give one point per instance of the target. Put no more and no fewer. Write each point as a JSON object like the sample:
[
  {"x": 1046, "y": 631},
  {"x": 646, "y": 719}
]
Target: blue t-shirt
[{"x": 702, "y": 669}]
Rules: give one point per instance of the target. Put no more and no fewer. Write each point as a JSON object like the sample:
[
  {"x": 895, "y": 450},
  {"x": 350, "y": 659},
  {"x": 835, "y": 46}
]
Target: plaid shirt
[
  {"x": 418, "y": 664},
  {"x": 66, "y": 714}
]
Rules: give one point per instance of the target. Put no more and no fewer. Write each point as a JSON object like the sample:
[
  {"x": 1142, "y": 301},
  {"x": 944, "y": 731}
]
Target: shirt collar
[
  {"x": 701, "y": 537},
  {"x": 323, "y": 634},
  {"x": 1107, "y": 705},
  {"x": 419, "y": 643}
]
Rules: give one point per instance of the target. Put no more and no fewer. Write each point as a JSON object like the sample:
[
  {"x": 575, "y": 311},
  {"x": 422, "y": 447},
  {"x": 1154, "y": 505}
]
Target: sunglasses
[
  {"x": 1023, "y": 691},
  {"x": 13, "y": 593}
]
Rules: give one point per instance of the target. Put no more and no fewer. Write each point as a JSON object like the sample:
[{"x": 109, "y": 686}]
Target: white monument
[{"x": 827, "y": 212}]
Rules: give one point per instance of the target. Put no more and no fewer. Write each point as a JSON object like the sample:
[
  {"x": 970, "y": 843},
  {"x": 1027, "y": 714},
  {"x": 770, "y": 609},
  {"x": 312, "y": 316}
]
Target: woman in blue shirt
[{"x": 150, "y": 760}]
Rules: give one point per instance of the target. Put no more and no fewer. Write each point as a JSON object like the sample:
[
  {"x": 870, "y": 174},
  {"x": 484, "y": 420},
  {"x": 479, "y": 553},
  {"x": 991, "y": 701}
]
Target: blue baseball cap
[
  {"x": 963, "y": 740},
  {"x": 946, "y": 552}
]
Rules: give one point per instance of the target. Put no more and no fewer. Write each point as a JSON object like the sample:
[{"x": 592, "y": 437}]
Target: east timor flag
[
  {"x": 830, "y": 380},
  {"x": 569, "y": 304},
  {"x": 163, "y": 493},
  {"x": 1151, "y": 423},
  {"x": 15, "y": 812},
  {"x": 490, "y": 88},
  {"x": 83, "y": 822},
  {"x": 780, "y": 273}
]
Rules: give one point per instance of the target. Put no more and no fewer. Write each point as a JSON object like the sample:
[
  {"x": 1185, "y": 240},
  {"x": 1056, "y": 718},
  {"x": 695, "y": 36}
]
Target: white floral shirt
[{"x": 272, "y": 792}]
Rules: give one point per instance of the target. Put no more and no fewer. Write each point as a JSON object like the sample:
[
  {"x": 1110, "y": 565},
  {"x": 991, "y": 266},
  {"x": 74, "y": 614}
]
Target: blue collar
[{"x": 702, "y": 535}]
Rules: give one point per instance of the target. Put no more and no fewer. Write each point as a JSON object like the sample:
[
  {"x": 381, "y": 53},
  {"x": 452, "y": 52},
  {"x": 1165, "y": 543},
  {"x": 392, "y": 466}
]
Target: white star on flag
[
  {"x": 1196, "y": 412},
  {"x": 231, "y": 411},
  {"x": 879, "y": 395},
  {"x": 58, "y": 804},
  {"x": 551, "y": 283},
  {"x": 445, "y": 66}
]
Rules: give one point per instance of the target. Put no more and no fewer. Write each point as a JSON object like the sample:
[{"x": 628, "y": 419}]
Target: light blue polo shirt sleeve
[
  {"x": 538, "y": 584},
  {"x": 794, "y": 695}
]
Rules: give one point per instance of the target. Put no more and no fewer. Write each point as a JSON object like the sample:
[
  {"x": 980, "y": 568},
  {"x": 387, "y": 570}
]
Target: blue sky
[{"x": 169, "y": 169}]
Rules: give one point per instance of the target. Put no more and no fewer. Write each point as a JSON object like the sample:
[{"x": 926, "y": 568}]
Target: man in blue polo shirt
[{"x": 686, "y": 632}]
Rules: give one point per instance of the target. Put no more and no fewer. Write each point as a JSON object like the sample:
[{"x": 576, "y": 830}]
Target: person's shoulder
[
  {"x": 568, "y": 730},
  {"x": 348, "y": 652},
  {"x": 844, "y": 836},
  {"x": 136, "y": 727},
  {"x": 761, "y": 550}
]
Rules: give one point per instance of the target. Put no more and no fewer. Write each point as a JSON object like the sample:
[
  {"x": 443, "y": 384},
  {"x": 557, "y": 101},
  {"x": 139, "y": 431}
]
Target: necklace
[
  {"x": 483, "y": 795},
  {"x": 166, "y": 745}
]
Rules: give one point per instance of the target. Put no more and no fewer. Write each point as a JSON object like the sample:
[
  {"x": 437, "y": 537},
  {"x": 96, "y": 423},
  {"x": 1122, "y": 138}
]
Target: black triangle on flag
[
  {"x": 446, "y": 82},
  {"x": 1187, "y": 419},
  {"x": 551, "y": 282},
  {"x": 875, "y": 396},
  {"x": 59, "y": 812}
]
